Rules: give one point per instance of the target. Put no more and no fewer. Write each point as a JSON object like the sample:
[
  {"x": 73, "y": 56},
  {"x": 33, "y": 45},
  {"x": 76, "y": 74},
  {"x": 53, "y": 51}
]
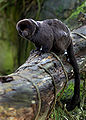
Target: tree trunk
[{"x": 29, "y": 92}]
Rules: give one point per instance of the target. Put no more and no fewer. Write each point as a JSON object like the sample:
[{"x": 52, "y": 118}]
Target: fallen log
[{"x": 29, "y": 92}]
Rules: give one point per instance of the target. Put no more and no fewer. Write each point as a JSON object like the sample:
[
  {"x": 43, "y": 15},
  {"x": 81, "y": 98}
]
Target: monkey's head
[{"x": 26, "y": 28}]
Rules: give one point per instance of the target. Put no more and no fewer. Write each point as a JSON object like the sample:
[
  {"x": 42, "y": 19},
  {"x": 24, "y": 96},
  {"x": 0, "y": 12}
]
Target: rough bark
[{"x": 28, "y": 93}]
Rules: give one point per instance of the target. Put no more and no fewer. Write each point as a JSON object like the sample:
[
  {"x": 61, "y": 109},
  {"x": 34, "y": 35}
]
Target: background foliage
[{"x": 14, "y": 50}]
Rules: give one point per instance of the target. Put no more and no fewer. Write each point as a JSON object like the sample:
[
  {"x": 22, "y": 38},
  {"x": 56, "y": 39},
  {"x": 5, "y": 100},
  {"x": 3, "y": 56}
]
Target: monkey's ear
[{"x": 34, "y": 22}]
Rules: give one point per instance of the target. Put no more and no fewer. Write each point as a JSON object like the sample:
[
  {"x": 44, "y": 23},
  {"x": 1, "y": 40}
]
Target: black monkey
[{"x": 52, "y": 35}]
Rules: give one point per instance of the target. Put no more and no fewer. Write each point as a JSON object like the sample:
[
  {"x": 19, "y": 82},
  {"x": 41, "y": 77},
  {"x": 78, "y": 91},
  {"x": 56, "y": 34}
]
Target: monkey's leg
[{"x": 76, "y": 97}]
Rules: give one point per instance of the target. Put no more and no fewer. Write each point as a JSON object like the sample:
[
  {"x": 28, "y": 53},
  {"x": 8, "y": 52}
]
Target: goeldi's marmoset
[{"x": 52, "y": 35}]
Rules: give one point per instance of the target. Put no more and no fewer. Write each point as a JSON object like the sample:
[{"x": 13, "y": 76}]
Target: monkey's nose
[{"x": 24, "y": 33}]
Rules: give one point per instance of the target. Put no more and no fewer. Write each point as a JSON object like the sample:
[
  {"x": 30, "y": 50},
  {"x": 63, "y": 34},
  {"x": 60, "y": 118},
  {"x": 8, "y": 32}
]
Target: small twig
[
  {"x": 65, "y": 110},
  {"x": 64, "y": 73},
  {"x": 58, "y": 99},
  {"x": 53, "y": 82},
  {"x": 38, "y": 92},
  {"x": 70, "y": 116},
  {"x": 79, "y": 34}
]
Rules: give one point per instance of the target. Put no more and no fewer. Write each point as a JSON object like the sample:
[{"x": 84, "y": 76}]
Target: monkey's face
[{"x": 26, "y": 28}]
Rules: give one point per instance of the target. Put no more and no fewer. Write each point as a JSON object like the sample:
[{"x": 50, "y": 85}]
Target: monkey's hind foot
[{"x": 75, "y": 101}]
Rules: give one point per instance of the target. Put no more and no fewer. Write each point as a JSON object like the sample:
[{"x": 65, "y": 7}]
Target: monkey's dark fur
[{"x": 52, "y": 35}]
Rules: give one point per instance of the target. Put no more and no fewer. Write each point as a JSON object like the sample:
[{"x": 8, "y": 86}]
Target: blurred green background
[{"x": 14, "y": 50}]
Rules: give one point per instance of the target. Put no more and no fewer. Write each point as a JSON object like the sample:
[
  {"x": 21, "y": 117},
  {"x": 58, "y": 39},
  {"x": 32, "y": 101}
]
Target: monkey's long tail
[{"x": 74, "y": 64}]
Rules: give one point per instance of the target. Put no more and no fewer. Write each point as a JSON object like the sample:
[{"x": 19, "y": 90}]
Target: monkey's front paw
[
  {"x": 38, "y": 52},
  {"x": 75, "y": 101},
  {"x": 33, "y": 51}
]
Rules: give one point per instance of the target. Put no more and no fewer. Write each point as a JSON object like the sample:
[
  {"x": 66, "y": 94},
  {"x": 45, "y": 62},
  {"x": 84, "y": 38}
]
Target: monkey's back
[{"x": 61, "y": 35}]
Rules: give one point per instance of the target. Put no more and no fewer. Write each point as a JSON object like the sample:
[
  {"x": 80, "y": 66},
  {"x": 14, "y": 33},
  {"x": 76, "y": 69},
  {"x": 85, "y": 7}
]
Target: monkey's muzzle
[{"x": 24, "y": 33}]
